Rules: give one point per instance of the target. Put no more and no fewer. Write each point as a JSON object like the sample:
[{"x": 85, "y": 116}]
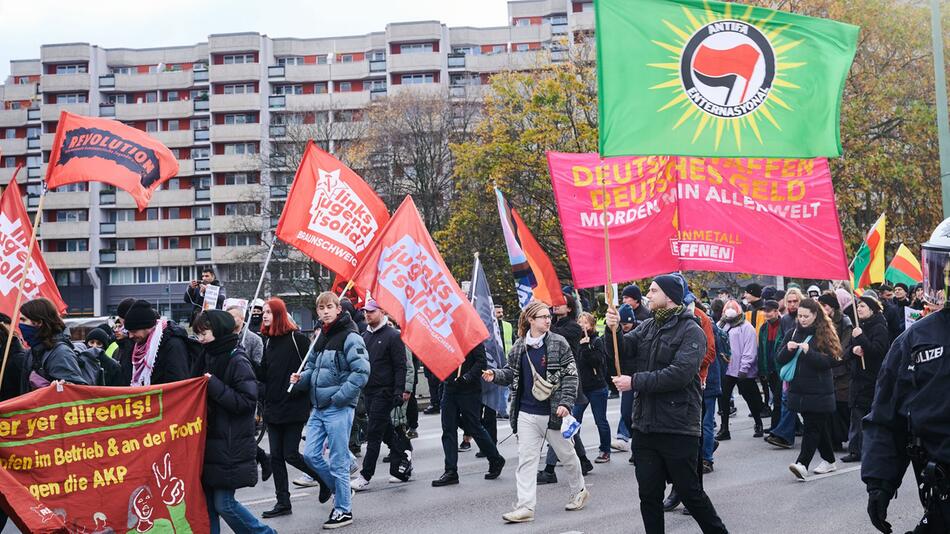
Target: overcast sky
[{"x": 27, "y": 24}]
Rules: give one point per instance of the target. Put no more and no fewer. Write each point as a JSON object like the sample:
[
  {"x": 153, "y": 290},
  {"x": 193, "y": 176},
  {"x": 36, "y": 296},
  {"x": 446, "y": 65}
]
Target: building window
[
  {"x": 239, "y": 118},
  {"x": 71, "y": 69},
  {"x": 377, "y": 55},
  {"x": 120, "y": 98},
  {"x": 467, "y": 50},
  {"x": 73, "y": 188},
  {"x": 122, "y": 277},
  {"x": 151, "y": 126},
  {"x": 322, "y": 59},
  {"x": 290, "y": 60},
  {"x": 377, "y": 85},
  {"x": 233, "y": 149},
  {"x": 243, "y": 209},
  {"x": 172, "y": 243},
  {"x": 241, "y": 240},
  {"x": 522, "y": 47},
  {"x": 320, "y": 88},
  {"x": 345, "y": 87},
  {"x": 174, "y": 213},
  {"x": 121, "y": 215},
  {"x": 415, "y": 48},
  {"x": 288, "y": 89},
  {"x": 151, "y": 243},
  {"x": 201, "y": 242},
  {"x": 172, "y": 96},
  {"x": 121, "y": 70},
  {"x": 346, "y": 58},
  {"x": 74, "y": 245},
  {"x": 239, "y": 88},
  {"x": 172, "y": 125},
  {"x": 151, "y": 97},
  {"x": 71, "y": 98},
  {"x": 151, "y": 214},
  {"x": 146, "y": 275},
  {"x": 200, "y": 152},
  {"x": 236, "y": 178},
  {"x": 125, "y": 244},
  {"x": 69, "y": 278},
  {"x": 233, "y": 59},
  {"x": 71, "y": 215},
  {"x": 522, "y": 22},
  {"x": 9, "y": 133},
  {"x": 9, "y": 162},
  {"x": 408, "y": 79},
  {"x": 177, "y": 274},
  {"x": 201, "y": 212}
]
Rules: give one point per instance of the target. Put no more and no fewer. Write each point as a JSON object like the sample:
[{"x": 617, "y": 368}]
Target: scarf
[
  {"x": 663, "y": 315},
  {"x": 219, "y": 354},
  {"x": 734, "y": 322},
  {"x": 143, "y": 356},
  {"x": 534, "y": 342}
]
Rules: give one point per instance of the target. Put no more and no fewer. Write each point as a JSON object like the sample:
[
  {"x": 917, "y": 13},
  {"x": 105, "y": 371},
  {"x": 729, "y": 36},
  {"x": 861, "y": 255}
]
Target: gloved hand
[{"x": 878, "y": 499}]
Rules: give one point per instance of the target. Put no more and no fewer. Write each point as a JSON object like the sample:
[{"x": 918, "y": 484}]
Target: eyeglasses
[{"x": 542, "y": 317}]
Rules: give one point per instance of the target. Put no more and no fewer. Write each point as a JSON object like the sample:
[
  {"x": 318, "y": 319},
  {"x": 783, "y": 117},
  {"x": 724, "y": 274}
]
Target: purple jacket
[{"x": 742, "y": 342}]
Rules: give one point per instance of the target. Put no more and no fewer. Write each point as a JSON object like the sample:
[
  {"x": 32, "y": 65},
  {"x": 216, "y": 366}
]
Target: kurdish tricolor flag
[
  {"x": 904, "y": 268},
  {"x": 868, "y": 264},
  {"x": 715, "y": 79}
]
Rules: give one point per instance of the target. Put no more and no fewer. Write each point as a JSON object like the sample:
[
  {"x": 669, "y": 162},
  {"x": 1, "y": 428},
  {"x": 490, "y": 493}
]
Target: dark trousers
[
  {"x": 749, "y": 392},
  {"x": 854, "y": 433},
  {"x": 284, "y": 440},
  {"x": 379, "y": 429},
  {"x": 463, "y": 409},
  {"x": 412, "y": 405},
  {"x": 659, "y": 457},
  {"x": 816, "y": 435},
  {"x": 775, "y": 384},
  {"x": 435, "y": 389},
  {"x": 839, "y": 423},
  {"x": 489, "y": 422}
]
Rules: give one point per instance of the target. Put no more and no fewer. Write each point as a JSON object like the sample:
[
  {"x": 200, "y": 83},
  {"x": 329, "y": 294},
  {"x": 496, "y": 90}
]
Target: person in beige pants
[{"x": 539, "y": 351}]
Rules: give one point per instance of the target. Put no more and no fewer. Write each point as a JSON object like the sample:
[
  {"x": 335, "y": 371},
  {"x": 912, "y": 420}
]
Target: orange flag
[
  {"x": 331, "y": 214},
  {"x": 15, "y": 233},
  {"x": 90, "y": 149},
  {"x": 407, "y": 277}
]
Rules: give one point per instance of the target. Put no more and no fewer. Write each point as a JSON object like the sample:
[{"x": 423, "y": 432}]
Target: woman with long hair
[
  {"x": 285, "y": 414},
  {"x": 742, "y": 370},
  {"x": 814, "y": 349},
  {"x": 54, "y": 357},
  {"x": 535, "y": 417}
]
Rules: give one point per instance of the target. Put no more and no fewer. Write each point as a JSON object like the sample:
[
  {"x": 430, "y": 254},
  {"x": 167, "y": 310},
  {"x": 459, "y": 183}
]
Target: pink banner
[{"x": 757, "y": 216}]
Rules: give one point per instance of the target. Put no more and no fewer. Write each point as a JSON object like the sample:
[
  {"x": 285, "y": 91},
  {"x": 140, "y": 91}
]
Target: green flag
[{"x": 706, "y": 78}]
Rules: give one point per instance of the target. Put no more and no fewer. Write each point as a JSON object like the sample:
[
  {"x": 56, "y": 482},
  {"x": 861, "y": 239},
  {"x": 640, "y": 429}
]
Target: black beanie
[
  {"x": 871, "y": 302},
  {"x": 99, "y": 335},
  {"x": 124, "y": 306},
  {"x": 903, "y": 286},
  {"x": 140, "y": 316},
  {"x": 632, "y": 291},
  {"x": 222, "y": 323},
  {"x": 672, "y": 286},
  {"x": 830, "y": 300},
  {"x": 754, "y": 289}
]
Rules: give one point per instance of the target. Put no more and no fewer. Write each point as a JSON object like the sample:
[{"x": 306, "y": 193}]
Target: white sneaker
[
  {"x": 825, "y": 467},
  {"x": 521, "y": 515},
  {"x": 396, "y": 480},
  {"x": 359, "y": 484},
  {"x": 305, "y": 481},
  {"x": 620, "y": 445},
  {"x": 578, "y": 501},
  {"x": 799, "y": 470}
]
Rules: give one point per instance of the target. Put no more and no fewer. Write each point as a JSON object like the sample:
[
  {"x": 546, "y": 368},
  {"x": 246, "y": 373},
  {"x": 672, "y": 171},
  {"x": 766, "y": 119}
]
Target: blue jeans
[
  {"x": 709, "y": 427},
  {"x": 626, "y": 415},
  {"x": 331, "y": 426},
  {"x": 598, "y": 406},
  {"x": 786, "y": 425},
  {"x": 221, "y": 502}
]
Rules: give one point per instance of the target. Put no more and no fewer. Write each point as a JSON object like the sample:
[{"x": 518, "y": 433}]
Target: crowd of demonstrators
[{"x": 160, "y": 351}]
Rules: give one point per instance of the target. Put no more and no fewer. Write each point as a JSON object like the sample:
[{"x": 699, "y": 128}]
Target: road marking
[{"x": 833, "y": 473}]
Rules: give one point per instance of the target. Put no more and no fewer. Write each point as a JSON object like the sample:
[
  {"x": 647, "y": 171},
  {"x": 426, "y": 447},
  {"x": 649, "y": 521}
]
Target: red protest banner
[
  {"x": 16, "y": 230},
  {"x": 90, "y": 149},
  {"x": 101, "y": 459},
  {"x": 331, "y": 214},
  {"x": 407, "y": 277},
  {"x": 763, "y": 216}
]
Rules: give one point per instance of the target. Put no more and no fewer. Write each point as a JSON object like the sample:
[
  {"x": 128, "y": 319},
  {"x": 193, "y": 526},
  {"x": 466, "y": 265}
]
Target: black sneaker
[
  {"x": 386, "y": 459},
  {"x": 412, "y": 434},
  {"x": 546, "y": 478},
  {"x": 851, "y": 458},
  {"x": 465, "y": 446},
  {"x": 707, "y": 467},
  {"x": 277, "y": 511},
  {"x": 338, "y": 519},
  {"x": 494, "y": 469},
  {"x": 481, "y": 454},
  {"x": 586, "y": 466}
]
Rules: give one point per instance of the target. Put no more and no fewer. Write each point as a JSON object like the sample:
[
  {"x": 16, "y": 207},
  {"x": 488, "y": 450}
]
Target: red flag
[
  {"x": 15, "y": 232},
  {"x": 36, "y": 517},
  {"x": 331, "y": 214},
  {"x": 89, "y": 149},
  {"x": 406, "y": 275}
]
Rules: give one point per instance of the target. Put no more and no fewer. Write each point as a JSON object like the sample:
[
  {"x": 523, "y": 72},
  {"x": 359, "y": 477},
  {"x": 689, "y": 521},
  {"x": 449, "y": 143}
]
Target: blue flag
[{"x": 495, "y": 397}]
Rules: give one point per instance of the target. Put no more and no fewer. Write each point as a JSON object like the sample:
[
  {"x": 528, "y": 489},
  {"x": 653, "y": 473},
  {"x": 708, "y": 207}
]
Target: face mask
[
  {"x": 730, "y": 313},
  {"x": 29, "y": 334}
]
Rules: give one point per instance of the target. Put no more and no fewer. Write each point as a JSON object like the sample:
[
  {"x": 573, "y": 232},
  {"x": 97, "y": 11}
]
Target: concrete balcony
[
  {"x": 229, "y": 224},
  {"x": 251, "y": 254},
  {"x": 242, "y": 102},
  {"x": 151, "y": 258},
  {"x": 58, "y": 83},
  {"x": 13, "y": 147},
  {"x": 46, "y": 141},
  {"x": 429, "y": 61},
  {"x": 237, "y": 193},
  {"x": 581, "y": 21},
  {"x": 175, "y": 227},
  {"x": 309, "y": 73},
  {"x": 6, "y": 174},
  {"x": 177, "y": 138},
  {"x": 50, "y": 112},
  {"x": 413, "y": 31},
  {"x": 61, "y": 53},
  {"x": 182, "y": 79},
  {"x": 236, "y": 132},
  {"x": 225, "y": 163},
  {"x": 532, "y": 59},
  {"x": 429, "y": 89},
  {"x": 23, "y": 91},
  {"x": 307, "y": 102},
  {"x": 64, "y": 230},
  {"x": 67, "y": 260},
  {"x": 186, "y": 167},
  {"x": 62, "y": 201},
  {"x": 12, "y": 117},
  {"x": 154, "y": 110},
  {"x": 234, "y": 42},
  {"x": 240, "y": 72},
  {"x": 352, "y": 70},
  {"x": 161, "y": 198}
]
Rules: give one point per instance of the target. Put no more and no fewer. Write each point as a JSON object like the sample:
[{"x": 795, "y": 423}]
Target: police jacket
[{"x": 910, "y": 400}]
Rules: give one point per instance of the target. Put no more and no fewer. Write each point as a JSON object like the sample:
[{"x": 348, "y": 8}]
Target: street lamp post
[{"x": 943, "y": 122}]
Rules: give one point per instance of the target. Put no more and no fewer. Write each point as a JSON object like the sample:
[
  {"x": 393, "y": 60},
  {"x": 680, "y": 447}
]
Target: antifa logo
[{"x": 103, "y": 144}]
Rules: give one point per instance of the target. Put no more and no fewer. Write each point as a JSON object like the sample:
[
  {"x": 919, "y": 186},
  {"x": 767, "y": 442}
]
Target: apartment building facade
[{"x": 221, "y": 106}]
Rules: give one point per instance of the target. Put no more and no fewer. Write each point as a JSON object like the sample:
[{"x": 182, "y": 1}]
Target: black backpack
[{"x": 90, "y": 368}]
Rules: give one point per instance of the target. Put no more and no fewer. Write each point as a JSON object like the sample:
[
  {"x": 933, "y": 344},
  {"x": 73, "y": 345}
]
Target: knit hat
[
  {"x": 632, "y": 291},
  {"x": 626, "y": 314},
  {"x": 770, "y": 305},
  {"x": 884, "y": 287},
  {"x": 99, "y": 335},
  {"x": 903, "y": 286},
  {"x": 795, "y": 285},
  {"x": 871, "y": 302},
  {"x": 844, "y": 298},
  {"x": 754, "y": 289},
  {"x": 141, "y": 316},
  {"x": 671, "y": 286},
  {"x": 873, "y": 294},
  {"x": 124, "y": 306},
  {"x": 222, "y": 322},
  {"x": 768, "y": 293},
  {"x": 829, "y": 300},
  {"x": 779, "y": 294},
  {"x": 688, "y": 296}
]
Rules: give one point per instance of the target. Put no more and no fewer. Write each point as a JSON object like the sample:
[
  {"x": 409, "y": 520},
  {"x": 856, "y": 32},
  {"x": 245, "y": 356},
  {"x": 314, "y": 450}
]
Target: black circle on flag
[{"x": 727, "y": 68}]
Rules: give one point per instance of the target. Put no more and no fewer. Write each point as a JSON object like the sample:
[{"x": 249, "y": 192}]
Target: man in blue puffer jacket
[{"x": 337, "y": 368}]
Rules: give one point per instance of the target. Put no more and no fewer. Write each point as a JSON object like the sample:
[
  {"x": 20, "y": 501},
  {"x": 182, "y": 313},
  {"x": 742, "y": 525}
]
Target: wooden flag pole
[
  {"x": 854, "y": 310},
  {"x": 609, "y": 290},
  {"x": 15, "y": 317},
  {"x": 303, "y": 362}
]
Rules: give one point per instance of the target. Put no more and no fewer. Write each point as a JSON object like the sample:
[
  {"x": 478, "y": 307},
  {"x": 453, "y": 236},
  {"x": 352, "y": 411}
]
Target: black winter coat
[
  {"x": 568, "y": 328},
  {"x": 16, "y": 379},
  {"x": 281, "y": 359},
  {"x": 875, "y": 340},
  {"x": 230, "y": 448},
  {"x": 172, "y": 362},
  {"x": 813, "y": 388},
  {"x": 470, "y": 380},
  {"x": 590, "y": 362},
  {"x": 387, "y": 361}
]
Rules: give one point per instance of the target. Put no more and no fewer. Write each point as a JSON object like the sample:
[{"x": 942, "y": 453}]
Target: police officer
[{"x": 908, "y": 419}]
